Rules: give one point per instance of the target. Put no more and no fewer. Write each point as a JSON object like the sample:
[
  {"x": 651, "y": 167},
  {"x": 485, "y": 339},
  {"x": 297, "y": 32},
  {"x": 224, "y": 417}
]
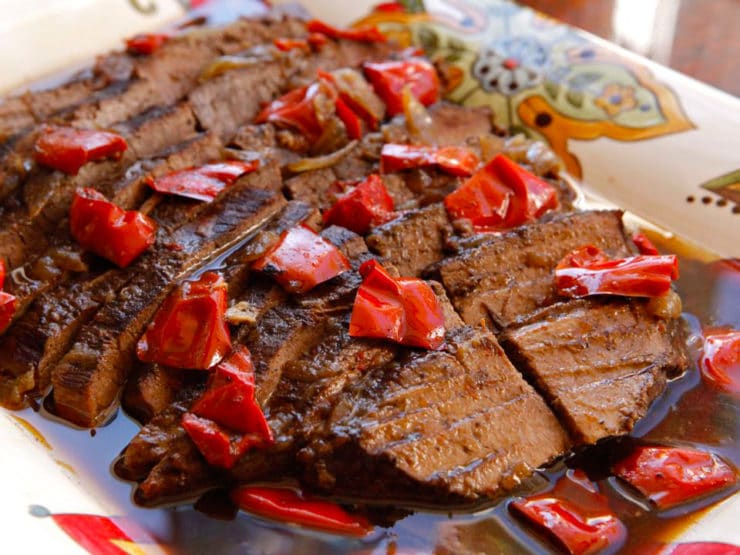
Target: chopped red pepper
[
  {"x": 389, "y": 78},
  {"x": 317, "y": 40},
  {"x": 350, "y": 120},
  {"x": 301, "y": 259},
  {"x": 7, "y": 309},
  {"x": 229, "y": 399},
  {"x": 189, "y": 329},
  {"x": 369, "y": 33},
  {"x": 301, "y": 109},
  {"x": 109, "y": 231},
  {"x": 291, "y": 44},
  {"x": 68, "y": 149},
  {"x": 701, "y": 548},
  {"x": 219, "y": 447},
  {"x": 389, "y": 7},
  {"x": 145, "y": 43},
  {"x": 204, "y": 182},
  {"x": 668, "y": 476},
  {"x": 451, "y": 159},
  {"x": 287, "y": 505},
  {"x": 365, "y": 206},
  {"x": 588, "y": 271},
  {"x": 720, "y": 361},
  {"x": 404, "y": 310},
  {"x": 7, "y": 301},
  {"x": 501, "y": 195},
  {"x": 574, "y": 514},
  {"x": 643, "y": 244}
]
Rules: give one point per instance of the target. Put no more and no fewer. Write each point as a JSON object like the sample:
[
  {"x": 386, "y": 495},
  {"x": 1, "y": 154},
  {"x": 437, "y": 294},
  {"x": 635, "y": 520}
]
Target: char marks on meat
[
  {"x": 435, "y": 426},
  {"x": 600, "y": 363}
]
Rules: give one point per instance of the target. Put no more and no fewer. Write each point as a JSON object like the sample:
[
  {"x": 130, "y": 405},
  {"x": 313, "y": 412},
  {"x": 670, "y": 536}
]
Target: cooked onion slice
[{"x": 319, "y": 162}]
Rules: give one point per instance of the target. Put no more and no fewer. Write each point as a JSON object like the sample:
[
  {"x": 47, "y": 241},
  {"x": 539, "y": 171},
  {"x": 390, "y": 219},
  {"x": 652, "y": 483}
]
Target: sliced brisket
[
  {"x": 437, "y": 426},
  {"x": 600, "y": 363},
  {"x": 509, "y": 276}
]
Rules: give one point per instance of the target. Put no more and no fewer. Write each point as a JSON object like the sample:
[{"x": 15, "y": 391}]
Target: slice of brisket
[
  {"x": 454, "y": 425},
  {"x": 509, "y": 276},
  {"x": 89, "y": 377},
  {"x": 600, "y": 363}
]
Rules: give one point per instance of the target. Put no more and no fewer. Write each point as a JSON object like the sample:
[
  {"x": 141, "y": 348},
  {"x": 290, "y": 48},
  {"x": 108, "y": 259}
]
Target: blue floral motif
[{"x": 511, "y": 65}]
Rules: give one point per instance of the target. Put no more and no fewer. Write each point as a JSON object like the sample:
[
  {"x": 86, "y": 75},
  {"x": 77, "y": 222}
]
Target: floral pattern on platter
[
  {"x": 540, "y": 77},
  {"x": 727, "y": 186}
]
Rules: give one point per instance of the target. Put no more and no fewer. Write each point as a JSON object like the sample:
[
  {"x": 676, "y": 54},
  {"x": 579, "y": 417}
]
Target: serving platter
[{"x": 641, "y": 136}]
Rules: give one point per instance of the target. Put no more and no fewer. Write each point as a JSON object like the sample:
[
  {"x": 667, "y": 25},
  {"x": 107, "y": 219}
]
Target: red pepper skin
[
  {"x": 202, "y": 183},
  {"x": 361, "y": 34},
  {"x": 389, "y": 78},
  {"x": 574, "y": 514},
  {"x": 145, "y": 43},
  {"x": 365, "y": 206},
  {"x": 317, "y": 40},
  {"x": 404, "y": 310},
  {"x": 643, "y": 244},
  {"x": 350, "y": 120},
  {"x": 669, "y": 476},
  {"x": 701, "y": 548},
  {"x": 189, "y": 329},
  {"x": 588, "y": 271},
  {"x": 720, "y": 361},
  {"x": 7, "y": 309},
  {"x": 219, "y": 447},
  {"x": 286, "y": 45},
  {"x": 501, "y": 195},
  {"x": 109, "y": 231},
  {"x": 451, "y": 159},
  {"x": 301, "y": 260},
  {"x": 229, "y": 399},
  {"x": 2, "y": 273},
  {"x": 286, "y": 505},
  {"x": 389, "y": 7},
  {"x": 68, "y": 149},
  {"x": 297, "y": 109}
]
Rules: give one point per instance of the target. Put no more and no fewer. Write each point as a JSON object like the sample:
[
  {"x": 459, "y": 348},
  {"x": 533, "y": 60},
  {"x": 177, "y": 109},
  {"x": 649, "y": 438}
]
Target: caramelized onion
[
  {"x": 418, "y": 120},
  {"x": 666, "y": 307},
  {"x": 319, "y": 162},
  {"x": 242, "y": 313},
  {"x": 222, "y": 64},
  {"x": 351, "y": 83}
]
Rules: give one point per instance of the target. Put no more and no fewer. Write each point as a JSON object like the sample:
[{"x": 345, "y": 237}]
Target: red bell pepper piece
[
  {"x": 68, "y": 149},
  {"x": 588, "y": 271},
  {"x": 573, "y": 514},
  {"x": 109, "y": 231},
  {"x": 7, "y": 301},
  {"x": 365, "y": 206},
  {"x": 701, "y": 548},
  {"x": 404, "y": 310},
  {"x": 287, "y": 505},
  {"x": 8, "y": 304},
  {"x": 668, "y": 476},
  {"x": 317, "y": 40},
  {"x": 389, "y": 78},
  {"x": 643, "y": 244},
  {"x": 219, "y": 447},
  {"x": 720, "y": 361},
  {"x": 369, "y": 33},
  {"x": 204, "y": 182},
  {"x": 350, "y": 120},
  {"x": 189, "y": 329},
  {"x": 145, "y": 43},
  {"x": 301, "y": 259},
  {"x": 298, "y": 109},
  {"x": 229, "y": 399},
  {"x": 451, "y": 159},
  {"x": 501, "y": 195},
  {"x": 285, "y": 45},
  {"x": 389, "y": 7}
]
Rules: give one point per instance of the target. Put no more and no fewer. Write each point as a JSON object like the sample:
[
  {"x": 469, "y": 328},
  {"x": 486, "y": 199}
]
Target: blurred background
[{"x": 700, "y": 38}]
